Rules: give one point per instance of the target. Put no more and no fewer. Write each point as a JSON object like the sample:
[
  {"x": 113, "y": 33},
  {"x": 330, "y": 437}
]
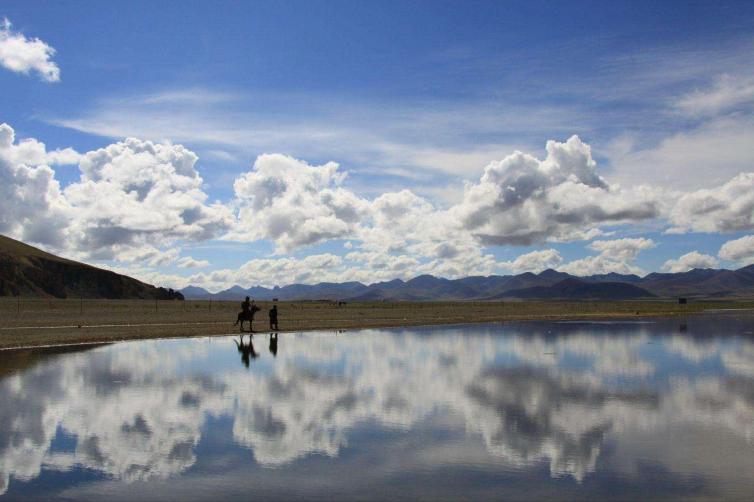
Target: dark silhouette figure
[
  {"x": 274, "y": 318},
  {"x": 248, "y": 309},
  {"x": 247, "y": 350},
  {"x": 274, "y": 344}
]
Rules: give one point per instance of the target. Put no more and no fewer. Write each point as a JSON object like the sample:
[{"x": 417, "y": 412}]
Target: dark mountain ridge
[
  {"x": 29, "y": 271},
  {"x": 575, "y": 289},
  {"x": 697, "y": 283}
]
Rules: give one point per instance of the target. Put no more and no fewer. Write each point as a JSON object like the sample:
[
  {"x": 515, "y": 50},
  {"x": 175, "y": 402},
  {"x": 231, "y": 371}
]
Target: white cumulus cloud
[
  {"x": 32, "y": 207},
  {"x": 190, "y": 262},
  {"x": 148, "y": 255},
  {"x": 138, "y": 193},
  {"x": 690, "y": 261},
  {"x": 270, "y": 272},
  {"x": 739, "y": 250},
  {"x": 536, "y": 261},
  {"x": 65, "y": 156},
  {"x": 622, "y": 249},
  {"x": 726, "y": 208},
  {"x": 294, "y": 204},
  {"x": 25, "y": 55},
  {"x": 522, "y": 200},
  {"x": 617, "y": 255},
  {"x": 133, "y": 200}
]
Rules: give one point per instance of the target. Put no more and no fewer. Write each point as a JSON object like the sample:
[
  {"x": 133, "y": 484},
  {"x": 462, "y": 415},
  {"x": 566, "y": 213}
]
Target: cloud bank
[{"x": 136, "y": 204}]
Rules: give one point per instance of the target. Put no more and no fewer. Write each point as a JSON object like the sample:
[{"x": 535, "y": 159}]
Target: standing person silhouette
[{"x": 274, "y": 318}]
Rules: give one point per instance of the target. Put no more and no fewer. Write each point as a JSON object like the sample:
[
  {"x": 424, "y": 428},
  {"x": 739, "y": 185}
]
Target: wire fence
[
  {"x": 51, "y": 308},
  {"x": 19, "y": 305},
  {"x": 23, "y": 315}
]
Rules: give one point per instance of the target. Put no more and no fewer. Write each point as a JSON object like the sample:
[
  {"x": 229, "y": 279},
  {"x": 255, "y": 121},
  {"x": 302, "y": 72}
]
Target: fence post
[
  {"x": 18, "y": 305},
  {"x": 155, "y": 304},
  {"x": 81, "y": 305},
  {"x": 210, "y": 304}
]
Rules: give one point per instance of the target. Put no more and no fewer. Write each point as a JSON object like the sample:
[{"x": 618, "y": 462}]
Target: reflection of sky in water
[{"x": 519, "y": 410}]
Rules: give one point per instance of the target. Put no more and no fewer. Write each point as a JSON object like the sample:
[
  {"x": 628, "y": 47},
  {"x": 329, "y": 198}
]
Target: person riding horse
[
  {"x": 247, "y": 350},
  {"x": 248, "y": 309}
]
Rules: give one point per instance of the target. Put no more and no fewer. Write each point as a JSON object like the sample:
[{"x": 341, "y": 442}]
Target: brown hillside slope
[{"x": 29, "y": 271}]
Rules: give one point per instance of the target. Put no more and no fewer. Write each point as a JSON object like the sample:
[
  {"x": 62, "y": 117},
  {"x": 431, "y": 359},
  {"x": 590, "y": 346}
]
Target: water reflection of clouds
[
  {"x": 608, "y": 355},
  {"x": 137, "y": 409}
]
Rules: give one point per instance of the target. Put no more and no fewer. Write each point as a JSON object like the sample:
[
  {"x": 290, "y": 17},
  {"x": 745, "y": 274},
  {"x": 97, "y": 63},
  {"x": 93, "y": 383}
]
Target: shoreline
[{"x": 86, "y": 335}]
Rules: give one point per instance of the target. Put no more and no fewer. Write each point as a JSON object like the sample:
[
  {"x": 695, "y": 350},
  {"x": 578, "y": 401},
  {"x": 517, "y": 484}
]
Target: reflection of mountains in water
[{"x": 137, "y": 410}]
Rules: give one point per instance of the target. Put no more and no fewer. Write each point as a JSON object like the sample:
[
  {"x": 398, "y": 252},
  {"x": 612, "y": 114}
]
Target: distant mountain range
[
  {"x": 28, "y": 271},
  {"x": 550, "y": 284}
]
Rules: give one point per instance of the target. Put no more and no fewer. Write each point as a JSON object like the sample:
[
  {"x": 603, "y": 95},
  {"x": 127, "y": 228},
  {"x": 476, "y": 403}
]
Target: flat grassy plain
[{"x": 37, "y": 322}]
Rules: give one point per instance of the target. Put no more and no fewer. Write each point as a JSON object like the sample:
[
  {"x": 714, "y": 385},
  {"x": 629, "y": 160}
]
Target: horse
[{"x": 247, "y": 315}]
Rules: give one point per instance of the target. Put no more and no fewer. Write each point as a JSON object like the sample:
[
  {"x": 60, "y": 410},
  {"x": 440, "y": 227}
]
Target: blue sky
[{"x": 413, "y": 100}]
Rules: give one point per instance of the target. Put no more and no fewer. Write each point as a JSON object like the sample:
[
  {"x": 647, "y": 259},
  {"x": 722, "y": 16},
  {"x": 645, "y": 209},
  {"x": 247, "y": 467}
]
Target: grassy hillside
[{"x": 29, "y": 271}]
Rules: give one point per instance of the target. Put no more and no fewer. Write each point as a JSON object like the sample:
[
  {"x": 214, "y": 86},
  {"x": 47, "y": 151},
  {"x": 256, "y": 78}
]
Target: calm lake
[{"x": 615, "y": 410}]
